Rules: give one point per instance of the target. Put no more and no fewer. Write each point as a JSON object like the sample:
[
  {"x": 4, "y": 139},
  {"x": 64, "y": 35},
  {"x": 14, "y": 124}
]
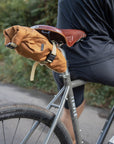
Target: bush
[
  {"x": 44, "y": 12},
  {"x": 99, "y": 95},
  {"x": 13, "y": 13},
  {"x": 27, "y": 12}
]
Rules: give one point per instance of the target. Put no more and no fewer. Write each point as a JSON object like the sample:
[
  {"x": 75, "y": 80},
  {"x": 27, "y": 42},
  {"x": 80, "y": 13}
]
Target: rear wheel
[{"x": 17, "y": 119}]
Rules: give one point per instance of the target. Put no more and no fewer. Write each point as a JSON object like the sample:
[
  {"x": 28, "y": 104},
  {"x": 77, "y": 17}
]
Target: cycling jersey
[{"x": 96, "y": 18}]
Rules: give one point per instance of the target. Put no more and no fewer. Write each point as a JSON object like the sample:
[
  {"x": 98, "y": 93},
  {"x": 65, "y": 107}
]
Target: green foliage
[
  {"x": 13, "y": 13},
  {"x": 27, "y": 12},
  {"x": 45, "y": 12},
  {"x": 99, "y": 95}
]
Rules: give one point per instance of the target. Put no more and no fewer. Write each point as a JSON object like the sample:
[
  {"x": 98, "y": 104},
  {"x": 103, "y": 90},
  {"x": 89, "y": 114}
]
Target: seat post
[{"x": 71, "y": 103}]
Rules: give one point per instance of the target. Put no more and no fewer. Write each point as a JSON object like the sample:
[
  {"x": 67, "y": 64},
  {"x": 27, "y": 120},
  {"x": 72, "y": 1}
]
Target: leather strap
[{"x": 33, "y": 71}]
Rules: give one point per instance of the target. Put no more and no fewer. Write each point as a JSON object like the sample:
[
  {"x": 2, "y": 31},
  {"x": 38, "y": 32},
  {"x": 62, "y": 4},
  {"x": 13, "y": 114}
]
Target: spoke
[
  {"x": 43, "y": 129},
  {"x": 52, "y": 142},
  {"x": 3, "y": 132},
  {"x": 15, "y": 131},
  {"x": 30, "y": 132}
]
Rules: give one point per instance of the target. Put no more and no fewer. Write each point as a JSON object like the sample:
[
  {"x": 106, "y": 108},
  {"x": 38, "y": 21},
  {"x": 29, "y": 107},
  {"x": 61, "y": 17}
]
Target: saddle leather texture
[
  {"x": 32, "y": 44},
  {"x": 68, "y": 36}
]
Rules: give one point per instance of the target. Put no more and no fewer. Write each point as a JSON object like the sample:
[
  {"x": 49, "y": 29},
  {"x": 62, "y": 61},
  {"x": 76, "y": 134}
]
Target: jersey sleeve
[{"x": 109, "y": 12}]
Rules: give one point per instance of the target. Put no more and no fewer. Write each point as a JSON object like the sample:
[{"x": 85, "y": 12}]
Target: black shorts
[{"x": 99, "y": 73}]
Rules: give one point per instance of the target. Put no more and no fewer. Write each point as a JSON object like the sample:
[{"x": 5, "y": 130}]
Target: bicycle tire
[{"x": 9, "y": 113}]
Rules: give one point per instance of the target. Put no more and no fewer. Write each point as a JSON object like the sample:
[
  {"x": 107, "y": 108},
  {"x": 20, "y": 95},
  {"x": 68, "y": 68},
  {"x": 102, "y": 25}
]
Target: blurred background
[{"x": 16, "y": 69}]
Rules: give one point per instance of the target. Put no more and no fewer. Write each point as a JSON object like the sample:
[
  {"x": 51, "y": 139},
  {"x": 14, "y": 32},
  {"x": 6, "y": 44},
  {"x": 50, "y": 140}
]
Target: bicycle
[{"x": 52, "y": 128}]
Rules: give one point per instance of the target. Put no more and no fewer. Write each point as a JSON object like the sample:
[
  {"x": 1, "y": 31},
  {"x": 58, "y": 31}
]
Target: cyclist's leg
[
  {"x": 99, "y": 73},
  {"x": 103, "y": 72},
  {"x": 66, "y": 119}
]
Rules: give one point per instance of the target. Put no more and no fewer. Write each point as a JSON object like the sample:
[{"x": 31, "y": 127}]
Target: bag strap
[
  {"x": 52, "y": 55},
  {"x": 49, "y": 59},
  {"x": 33, "y": 71}
]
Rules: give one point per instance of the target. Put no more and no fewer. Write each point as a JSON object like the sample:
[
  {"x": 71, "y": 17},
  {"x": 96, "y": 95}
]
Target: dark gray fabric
[
  {"x": 96, "y": 18},
  {"x": 98, "y": 73}
]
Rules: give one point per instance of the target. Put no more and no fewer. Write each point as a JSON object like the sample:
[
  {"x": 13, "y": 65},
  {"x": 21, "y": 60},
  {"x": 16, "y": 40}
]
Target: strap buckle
[
  {"x": 52, "y": 55},
  {"x": 50, "y": 58}
]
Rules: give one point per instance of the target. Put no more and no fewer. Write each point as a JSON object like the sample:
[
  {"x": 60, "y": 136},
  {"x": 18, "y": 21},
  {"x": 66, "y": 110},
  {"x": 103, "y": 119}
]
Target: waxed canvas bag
[{"x": 31, "y": 44}]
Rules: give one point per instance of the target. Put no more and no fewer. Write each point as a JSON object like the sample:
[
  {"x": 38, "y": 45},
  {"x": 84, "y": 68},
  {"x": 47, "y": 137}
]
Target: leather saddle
[{"x": 61, "y": 36}]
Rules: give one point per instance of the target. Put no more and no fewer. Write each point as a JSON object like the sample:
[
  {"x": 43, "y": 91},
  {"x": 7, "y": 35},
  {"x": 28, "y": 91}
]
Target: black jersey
[{"x": 96, "y": 18}]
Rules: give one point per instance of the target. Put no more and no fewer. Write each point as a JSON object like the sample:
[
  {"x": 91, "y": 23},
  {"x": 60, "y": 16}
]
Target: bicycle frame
[{"x": 67, "y": 94}]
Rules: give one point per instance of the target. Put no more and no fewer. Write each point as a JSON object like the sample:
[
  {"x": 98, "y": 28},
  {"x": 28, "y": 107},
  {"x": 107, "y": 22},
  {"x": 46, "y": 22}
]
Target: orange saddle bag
[{"x": 31, "y": 44}]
